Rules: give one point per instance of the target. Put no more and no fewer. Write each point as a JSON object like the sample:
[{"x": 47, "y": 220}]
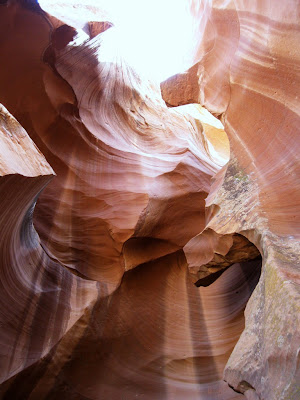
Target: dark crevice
[
  {"x": 242, "y": 250},
  {"x": 208, "y": 280},
  {"x": 242, "y": 387},
  {"x": 235, "y": 390}
]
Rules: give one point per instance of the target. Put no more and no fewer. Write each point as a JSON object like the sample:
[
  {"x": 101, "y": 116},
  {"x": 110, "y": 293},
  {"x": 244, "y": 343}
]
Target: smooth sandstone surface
[
  {"x": 35, "y": 290},
  {"x": 129, "y": 192},
  {"x": 100, "y": 302},
  {"x": 247, "y": 73}
]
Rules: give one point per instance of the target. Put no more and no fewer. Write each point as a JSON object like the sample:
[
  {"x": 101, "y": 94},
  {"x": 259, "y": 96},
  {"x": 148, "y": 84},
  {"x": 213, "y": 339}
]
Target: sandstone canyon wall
[
  {"x": 247, "y": 72},
  {"x": 130, "y": 243}
]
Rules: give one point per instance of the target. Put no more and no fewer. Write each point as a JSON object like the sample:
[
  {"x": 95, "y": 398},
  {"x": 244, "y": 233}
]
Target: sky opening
[{"x": 157, "y": 35}]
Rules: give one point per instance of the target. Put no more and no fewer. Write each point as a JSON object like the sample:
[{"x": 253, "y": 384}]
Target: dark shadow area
[{"x": 241, "y": 251}]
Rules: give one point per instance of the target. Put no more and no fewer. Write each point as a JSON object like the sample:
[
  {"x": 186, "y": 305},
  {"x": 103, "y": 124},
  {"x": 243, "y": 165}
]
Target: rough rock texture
[
  {"x": 132, "y": 177},
  {"x": 208, "y": 254},
  {"x": 100, "y": 302},
  {"x": 248, "y": 74}
]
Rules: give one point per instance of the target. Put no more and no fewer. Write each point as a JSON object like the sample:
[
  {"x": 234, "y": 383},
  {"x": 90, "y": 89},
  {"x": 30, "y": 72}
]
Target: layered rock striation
[
  {"x": 114, "y": 204},
  {"x": 247, "y": 73}
]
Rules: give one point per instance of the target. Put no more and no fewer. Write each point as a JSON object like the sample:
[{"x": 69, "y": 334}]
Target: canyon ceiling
[{"x": 149, "y": 239}]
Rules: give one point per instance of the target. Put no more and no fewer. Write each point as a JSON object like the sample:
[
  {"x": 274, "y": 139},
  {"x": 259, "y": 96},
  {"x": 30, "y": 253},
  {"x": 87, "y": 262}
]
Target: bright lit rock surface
[{"x": 134, "y": 202}]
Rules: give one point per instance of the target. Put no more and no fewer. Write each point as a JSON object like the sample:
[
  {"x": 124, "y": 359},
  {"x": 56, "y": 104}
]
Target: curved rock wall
[
  {"x": 247, "y": 73},
  {"x": 101, "y": 302}
]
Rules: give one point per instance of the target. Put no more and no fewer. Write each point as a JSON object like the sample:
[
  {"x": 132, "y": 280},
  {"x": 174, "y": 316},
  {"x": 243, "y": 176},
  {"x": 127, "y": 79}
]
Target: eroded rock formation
[
  {"x": 98, "y": 299},
  {"x": 247, "y": 73}
]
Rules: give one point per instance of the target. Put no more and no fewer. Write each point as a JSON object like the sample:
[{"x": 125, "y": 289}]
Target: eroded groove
[{"x": 144, "y": 278}]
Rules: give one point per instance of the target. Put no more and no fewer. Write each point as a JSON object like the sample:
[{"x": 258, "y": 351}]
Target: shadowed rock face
[
  {"x": 247, "y": 73},
  {"x": 100, "y": 302}
]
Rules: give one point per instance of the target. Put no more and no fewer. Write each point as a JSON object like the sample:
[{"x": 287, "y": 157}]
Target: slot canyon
[{"x": 150, "y": 226}]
